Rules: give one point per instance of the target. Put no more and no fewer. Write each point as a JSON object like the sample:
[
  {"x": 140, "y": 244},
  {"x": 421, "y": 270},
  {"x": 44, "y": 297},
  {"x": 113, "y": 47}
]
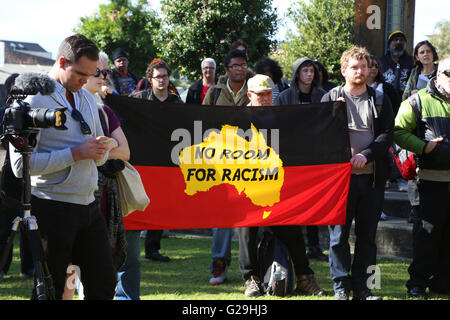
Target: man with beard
[
  {"x": 397, "y": 63},
  {"x": 370, "y": 129},
  {"x": 122, "y": 79}
]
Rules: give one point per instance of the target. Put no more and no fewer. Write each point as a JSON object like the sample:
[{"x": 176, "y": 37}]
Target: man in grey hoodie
[
  {"x": 304, "y": 84},
  {"x": 304, "y": 89},
  {"x": 63, "y": 169}
]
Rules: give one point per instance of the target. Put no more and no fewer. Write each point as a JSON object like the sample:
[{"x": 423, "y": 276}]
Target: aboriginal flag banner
[{"x": 225, "y": 166}]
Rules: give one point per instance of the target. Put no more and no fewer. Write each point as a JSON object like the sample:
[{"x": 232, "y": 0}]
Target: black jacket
[
  {"x": 383, "y": 127},
  {"x": 148, "y": 95},
  {"x": 195, "y": 92},
  {"x": 390, "y": 68}
]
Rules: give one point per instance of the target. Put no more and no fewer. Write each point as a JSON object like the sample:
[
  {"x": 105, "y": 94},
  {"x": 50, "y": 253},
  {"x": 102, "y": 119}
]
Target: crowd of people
[{"x": 74, "y": 172}]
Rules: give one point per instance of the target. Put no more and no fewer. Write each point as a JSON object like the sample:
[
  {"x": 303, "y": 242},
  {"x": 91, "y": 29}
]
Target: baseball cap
[
  {"x": 260, "y": 83},
  {"x": 395, "y": 35}
]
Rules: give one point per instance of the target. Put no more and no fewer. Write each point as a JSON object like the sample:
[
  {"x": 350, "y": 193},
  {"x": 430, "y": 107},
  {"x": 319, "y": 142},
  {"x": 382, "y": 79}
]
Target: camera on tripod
[
  {"x": 20, "y": 117},
  {"x": 20, "y": 121}
]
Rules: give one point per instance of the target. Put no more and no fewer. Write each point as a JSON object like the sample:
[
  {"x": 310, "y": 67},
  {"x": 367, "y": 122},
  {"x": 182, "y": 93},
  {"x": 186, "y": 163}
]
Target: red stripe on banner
[{"x": 310, "y": 195}]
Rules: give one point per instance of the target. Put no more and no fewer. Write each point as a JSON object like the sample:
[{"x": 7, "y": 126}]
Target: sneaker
[
  {"x": 385, "y": 217},
  {"x": 365, "y": 295},
  {"x": 316, "y": 253},
  {"x": 156, "y": 256},
  {"x": 417, "y": 293},
  {"x": 341, "y": 295},
  {"x": 219, "y": 273},
  {"x": 253, "y": 287},
  {"x": 307, "y": 285}
]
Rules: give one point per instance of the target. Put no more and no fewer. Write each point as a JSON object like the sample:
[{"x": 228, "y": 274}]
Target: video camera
[{"x": 20, "y": 120}]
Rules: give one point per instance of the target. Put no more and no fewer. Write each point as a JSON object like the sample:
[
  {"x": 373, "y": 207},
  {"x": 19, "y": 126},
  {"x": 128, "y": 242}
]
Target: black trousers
[
  {"x": 312, "y": 236},
  {"x": 291, "y": 236},
  {"x": 431, "y": 245},
  {"x": 76, "y": 234},
  {"x": 153, "y": 241}
]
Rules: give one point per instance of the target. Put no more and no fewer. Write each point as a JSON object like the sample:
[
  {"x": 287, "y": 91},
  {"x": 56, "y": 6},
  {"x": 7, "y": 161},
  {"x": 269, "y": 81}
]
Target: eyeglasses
[
  {"x": 209, "y": 68},
  {"x": 163, "y": 77},
  {"x": 105, "y": 73},
  {"x": 85, "y": 129},
  {"x": 238, "y": 66}
]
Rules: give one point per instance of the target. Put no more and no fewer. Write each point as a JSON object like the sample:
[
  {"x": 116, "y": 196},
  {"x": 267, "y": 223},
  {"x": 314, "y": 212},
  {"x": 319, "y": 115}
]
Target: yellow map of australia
[{"x": 228, "y": 157}]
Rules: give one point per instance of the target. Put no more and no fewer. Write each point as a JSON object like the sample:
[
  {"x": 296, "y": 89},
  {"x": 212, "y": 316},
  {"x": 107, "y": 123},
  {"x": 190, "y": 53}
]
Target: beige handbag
[{"x": 131, "y": 190}]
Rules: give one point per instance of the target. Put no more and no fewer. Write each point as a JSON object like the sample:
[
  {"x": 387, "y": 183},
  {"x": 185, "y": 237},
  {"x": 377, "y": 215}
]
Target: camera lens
[{"x": 46, "y": 118}]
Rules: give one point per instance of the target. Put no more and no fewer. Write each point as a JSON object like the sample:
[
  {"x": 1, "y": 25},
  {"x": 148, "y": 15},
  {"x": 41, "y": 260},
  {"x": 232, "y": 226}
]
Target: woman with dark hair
[
  {"x": 424, "y": 57},
  {"x": 324, "y": 77},
  {"x": 272, "y": 69},
  {"x": 376, "y": 80}
]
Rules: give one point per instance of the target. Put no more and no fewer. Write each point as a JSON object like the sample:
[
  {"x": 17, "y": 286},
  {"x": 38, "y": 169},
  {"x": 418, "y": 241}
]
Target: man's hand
[
  {"x": 358, "y": 161},
  {"x": 432, "y": 144},
  {"x": 92, "y": 148}
]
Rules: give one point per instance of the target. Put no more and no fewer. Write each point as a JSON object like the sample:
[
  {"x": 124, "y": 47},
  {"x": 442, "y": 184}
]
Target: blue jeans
[
  {"x": 221, "y": 245},
  {"x": 129, "y": 276},
  {"x": 364, "y": 205}
]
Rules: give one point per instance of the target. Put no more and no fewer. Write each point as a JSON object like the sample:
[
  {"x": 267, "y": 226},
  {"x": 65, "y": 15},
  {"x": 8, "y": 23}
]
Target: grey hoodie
[
  {"x": 292, "y": 95},
  {"x": 55, "y": 175}
]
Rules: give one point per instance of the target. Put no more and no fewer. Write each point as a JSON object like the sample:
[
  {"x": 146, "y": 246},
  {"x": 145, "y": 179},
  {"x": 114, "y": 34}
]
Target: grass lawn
[{"x": 186, "y": 276}]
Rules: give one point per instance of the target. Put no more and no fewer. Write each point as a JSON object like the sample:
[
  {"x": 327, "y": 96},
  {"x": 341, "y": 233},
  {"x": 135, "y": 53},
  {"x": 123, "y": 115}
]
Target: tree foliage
[
  {"x": 441, "y": 38},
  {"x": 132, "y": 27},
  {"x": 196, "y": 29},
  {"x": 323, "y": 30}
]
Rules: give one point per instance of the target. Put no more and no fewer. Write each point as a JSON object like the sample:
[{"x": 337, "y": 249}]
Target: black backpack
[{"x": 275, "y": 266}]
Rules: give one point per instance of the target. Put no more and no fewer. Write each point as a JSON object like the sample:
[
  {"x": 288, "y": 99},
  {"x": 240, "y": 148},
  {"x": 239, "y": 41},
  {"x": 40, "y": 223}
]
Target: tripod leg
[
  {"x": 10, "y": 241},
  {"x": 43, "y": 283}
]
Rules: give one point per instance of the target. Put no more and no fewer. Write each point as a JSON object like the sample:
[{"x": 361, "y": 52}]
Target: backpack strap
[
  {"x": 215, "y": 95},
  {"x": 336, "y": 93},
  {"x": 416, "y": 105}
]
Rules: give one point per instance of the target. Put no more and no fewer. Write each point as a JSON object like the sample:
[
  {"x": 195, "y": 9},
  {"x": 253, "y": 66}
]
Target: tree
[
  {"x": 196, "y": 29},
  {"x": 323, "y": 30},
  {"x": 441, "y": 38},
  {"x": 130, "y": 27}
]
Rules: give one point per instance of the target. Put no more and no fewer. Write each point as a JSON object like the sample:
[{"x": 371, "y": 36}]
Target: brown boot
[{"x": 307, "y": 285}]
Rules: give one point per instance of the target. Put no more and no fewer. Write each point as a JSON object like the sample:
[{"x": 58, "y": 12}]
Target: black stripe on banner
[{"x": 308, "y": 134}]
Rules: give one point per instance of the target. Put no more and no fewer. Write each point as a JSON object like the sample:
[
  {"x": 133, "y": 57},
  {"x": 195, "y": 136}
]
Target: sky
[{"x": 34, "y": 21}]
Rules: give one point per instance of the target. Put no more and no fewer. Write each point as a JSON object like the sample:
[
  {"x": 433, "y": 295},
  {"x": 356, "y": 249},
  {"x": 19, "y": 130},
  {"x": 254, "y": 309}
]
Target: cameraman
[{"x": 63, "y": 170}]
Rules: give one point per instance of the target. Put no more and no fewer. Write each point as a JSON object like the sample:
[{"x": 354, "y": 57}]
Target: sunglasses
[
  {"x": 85, "y": 129},
  {"x": 446, "y": 72},
  {"x": 103, "y": 72}
]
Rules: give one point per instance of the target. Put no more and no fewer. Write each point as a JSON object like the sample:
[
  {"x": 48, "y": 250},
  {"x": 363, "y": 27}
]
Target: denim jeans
[
  {"x": 221, "y": 245},
  {"x": 364, "y": 205},
  {"x": 129, "y": 282}
]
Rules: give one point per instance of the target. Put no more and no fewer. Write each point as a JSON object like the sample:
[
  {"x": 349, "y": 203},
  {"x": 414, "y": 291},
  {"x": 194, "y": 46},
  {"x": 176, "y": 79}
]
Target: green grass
[{"x": 186, "y": 276}]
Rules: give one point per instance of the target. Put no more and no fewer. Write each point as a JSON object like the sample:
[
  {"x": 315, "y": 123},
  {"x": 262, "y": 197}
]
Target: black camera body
[{"x": 19, "y": 117}]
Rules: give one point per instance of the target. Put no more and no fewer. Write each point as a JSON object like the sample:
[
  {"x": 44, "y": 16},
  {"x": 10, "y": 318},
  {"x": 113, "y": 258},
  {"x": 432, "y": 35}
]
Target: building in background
[{"x": 20, "y": 57}]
